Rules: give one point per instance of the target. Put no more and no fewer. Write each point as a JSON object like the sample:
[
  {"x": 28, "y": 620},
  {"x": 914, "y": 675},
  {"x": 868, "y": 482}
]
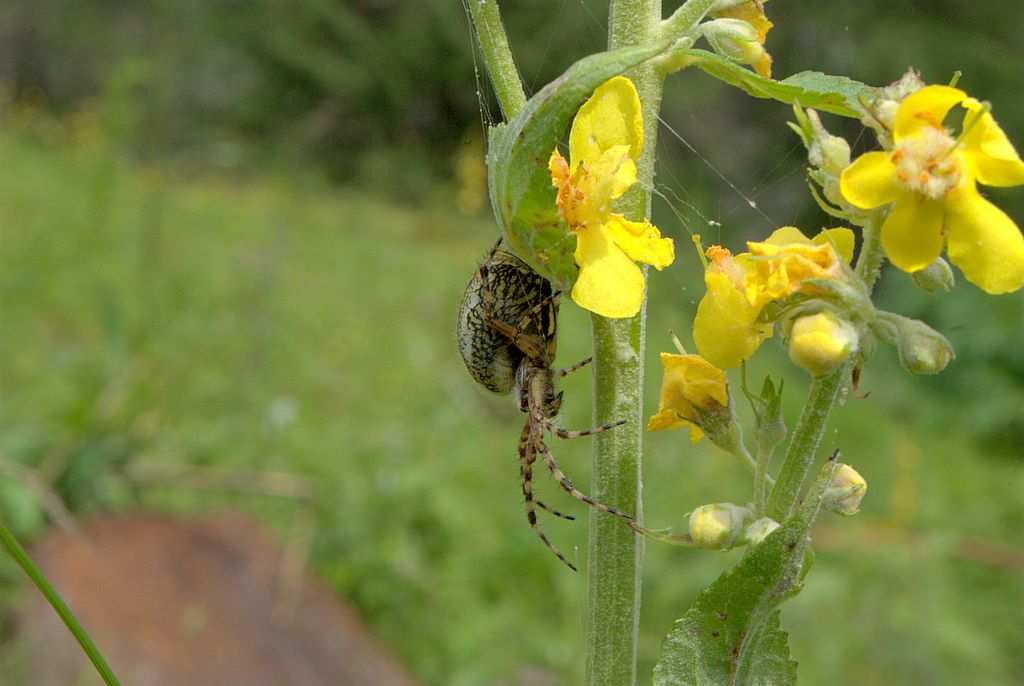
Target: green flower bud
[
  {"x": 718, "y": 526},
  {"x": 759, "y": 530},
  {"x": 821, "y": 342},
  {"x": 922, "y": 349},
  {"x": 937, "y": 276},
  {"x": 830, "y": 154},
  {"x": 845, "y": 491},
  {"x": 733, "y": 39}
]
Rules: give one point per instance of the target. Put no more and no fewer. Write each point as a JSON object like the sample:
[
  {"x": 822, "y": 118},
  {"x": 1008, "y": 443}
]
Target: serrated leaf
[
  {"x": 731, "y": 634},
  {"x": 517, "y": 162},
  {"x": 836, "y": 94}
]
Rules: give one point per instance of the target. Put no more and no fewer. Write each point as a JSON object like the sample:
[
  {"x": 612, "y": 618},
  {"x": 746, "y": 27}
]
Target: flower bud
[
  {"x": 734, "y": 39},
  {"x": 821, "y": 342},
  {"x": 922, "y": 349},
  {"x": 845, "y": 491},
  {"x": 829, "y": 153},
  {"x": 718, "y": 526},
  {"x": 937, "y": 276},
  {"x": 759, "y": 530}
]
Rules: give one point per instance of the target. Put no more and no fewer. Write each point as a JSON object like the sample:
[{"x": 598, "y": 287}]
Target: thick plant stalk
[{"x": 615, "y": 552}]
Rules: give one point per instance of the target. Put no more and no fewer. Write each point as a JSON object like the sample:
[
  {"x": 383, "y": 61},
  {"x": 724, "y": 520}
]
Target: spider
[{"x": 506, "y": 333}]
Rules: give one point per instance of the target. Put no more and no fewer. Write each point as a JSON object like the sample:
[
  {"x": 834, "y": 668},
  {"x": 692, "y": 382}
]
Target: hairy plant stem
[
  {"x": 501, "y": 66},
  {"x": 761, "y": 478},
  {"x": 800, "y": 456},
  {"x": 33, "y": 572},
  {"x": 615, "y": 552}
]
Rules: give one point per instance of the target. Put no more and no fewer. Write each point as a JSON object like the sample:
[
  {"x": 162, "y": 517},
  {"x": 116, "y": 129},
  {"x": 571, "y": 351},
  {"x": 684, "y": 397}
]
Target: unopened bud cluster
[
  {"x": 723, "y": 526},
  {"x": 718, "y": 526}
]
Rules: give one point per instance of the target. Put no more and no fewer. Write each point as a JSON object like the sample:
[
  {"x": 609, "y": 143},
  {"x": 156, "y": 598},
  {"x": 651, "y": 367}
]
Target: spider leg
[
  {"x": 565, "y": 433},
  {"x": 570, "y": 370},
  {"x": 553, "y": 511},
  {"x": 566, "y": 485},
  {"x": 527, "y": 456}
]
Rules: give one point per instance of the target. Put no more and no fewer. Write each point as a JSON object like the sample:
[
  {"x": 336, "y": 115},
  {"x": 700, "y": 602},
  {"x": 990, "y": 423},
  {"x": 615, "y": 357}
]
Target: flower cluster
[{"x": 729, "y": 326}]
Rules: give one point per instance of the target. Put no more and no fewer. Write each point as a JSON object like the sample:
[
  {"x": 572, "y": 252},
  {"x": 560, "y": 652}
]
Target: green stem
[
  {"x": 869, "y": 262},
  {"x": 12, "y": 546},
  {"x": 615, "y": 552},
  {"x": 684, "y": 18},
  {"x": 799, "y": 460},
  {"x": 501, "y": 66},
  {"x": 761, "y": 478}
]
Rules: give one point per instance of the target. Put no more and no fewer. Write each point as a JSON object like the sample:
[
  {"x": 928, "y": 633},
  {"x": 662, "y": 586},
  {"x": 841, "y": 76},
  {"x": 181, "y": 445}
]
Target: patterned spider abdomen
[{"x": 507, "y": 316}]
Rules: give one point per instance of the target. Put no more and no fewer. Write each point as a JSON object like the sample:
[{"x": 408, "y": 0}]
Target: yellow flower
[
  {"x": 690, "y": 382},
  {"x": 604, "y": 143},
  {"x": 783, "y": 264},
  {"x": 930, "y": 177},
  {"x": 727, "y": 329},
  {"x": 753, "y": 13}
]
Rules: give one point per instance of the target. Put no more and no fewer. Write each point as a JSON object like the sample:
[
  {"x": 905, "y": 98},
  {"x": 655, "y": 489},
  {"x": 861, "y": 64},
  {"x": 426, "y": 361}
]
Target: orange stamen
[{"x": 929, "y": 118}]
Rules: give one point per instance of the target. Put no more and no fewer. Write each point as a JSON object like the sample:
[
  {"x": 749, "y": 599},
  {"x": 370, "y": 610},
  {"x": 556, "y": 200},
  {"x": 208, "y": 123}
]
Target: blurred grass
[{"x": 279, "y": 324}]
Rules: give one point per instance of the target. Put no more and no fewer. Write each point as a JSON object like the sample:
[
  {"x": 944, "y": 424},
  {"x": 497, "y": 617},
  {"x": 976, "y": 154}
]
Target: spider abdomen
[{"x": 501, "y": 298}]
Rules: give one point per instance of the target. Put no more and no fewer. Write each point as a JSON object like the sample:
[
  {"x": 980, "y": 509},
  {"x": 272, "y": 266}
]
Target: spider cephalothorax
[{"x": 506, "y": 333}]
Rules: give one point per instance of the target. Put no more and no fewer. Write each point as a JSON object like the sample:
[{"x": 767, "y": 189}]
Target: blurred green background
[{"x": 235, "y": 236}]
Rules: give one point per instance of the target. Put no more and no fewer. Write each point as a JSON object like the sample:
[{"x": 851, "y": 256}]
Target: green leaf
[
  {"x": 731, "y": 633},
  {"x": 517, "y": 162},
  {"x": 836, "y": 94}
]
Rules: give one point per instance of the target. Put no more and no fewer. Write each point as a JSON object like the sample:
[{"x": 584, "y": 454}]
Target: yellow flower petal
[
  {"x": 609, "y": 284},
  {"x": 926, "y": 107},
  {"x": 726, "y": 329},
  {"x": 641, "y": 241},
  {"x": 912, "y": 233},
  {"x": 983, "y": 242},
  {"x": 869, "y": 181},
  {"x": 841, "y": 239},
  {"x": 689, "y": 381},
  {"x": 780, "y": 271},
  {"x": 991, "y": 157},
  {"x": 785, "y": 235},
  {"x": 609, "y": 177},
  {"x": 611, "y": 117}
]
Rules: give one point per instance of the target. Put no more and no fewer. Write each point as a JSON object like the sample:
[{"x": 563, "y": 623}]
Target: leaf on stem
[
  {"x": 731, "y": 633},
  {"x": 836, "y": 94}
]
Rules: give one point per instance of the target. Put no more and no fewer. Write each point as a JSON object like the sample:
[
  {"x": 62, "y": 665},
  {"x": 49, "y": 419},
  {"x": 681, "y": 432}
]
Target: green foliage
[{"x": 282, "y": 324}]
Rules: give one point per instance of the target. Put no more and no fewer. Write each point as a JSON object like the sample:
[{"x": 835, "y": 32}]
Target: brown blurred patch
[{"x": 172, "y": 602}]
